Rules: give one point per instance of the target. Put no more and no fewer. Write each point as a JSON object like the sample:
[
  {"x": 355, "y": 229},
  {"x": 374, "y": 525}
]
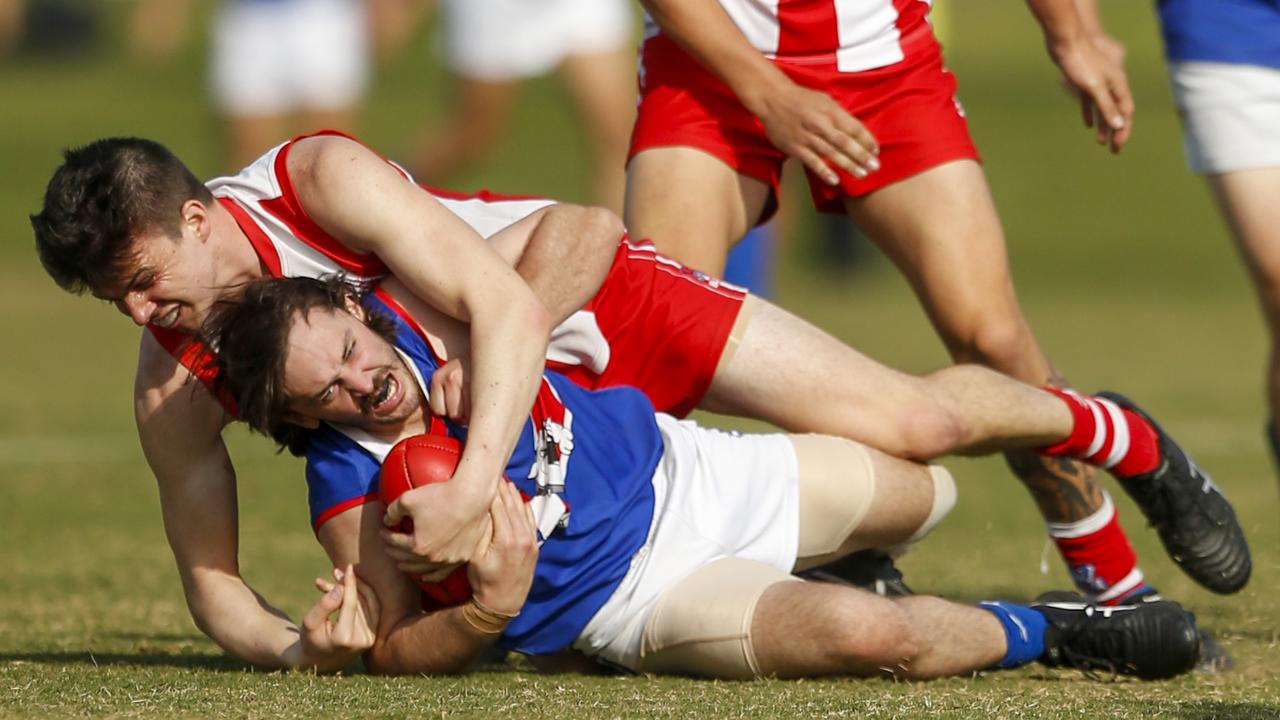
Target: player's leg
[
  {"x": 1247, "y": 201},
  {"x": 842, "y": 392},
  {"x": 697, "y": 219},
  {"x": 602, "y": 88}
]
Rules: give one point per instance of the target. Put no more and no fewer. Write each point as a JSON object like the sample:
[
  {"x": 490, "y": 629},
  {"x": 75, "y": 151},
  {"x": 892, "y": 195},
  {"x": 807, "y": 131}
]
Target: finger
[
  {"x": 1107, "y": 110},
  {"x": 323, "y": 585},
  {"x": 454, "y": 395},
  {"x": 394, "y": 514},
  {"x": 399, "y": 555},
  {"x": 318, "y": 615},
  {"x": 397, "y": 540},
  {"x": 439, "y": 573},
  {"x": 817, "y": 166},
  {"x": 1086, "y": 109},
  {"x": 436, "y": 395},
  {"x": 519, "y": 513},
  {"x": 372, "y": 607},
  {"x": 866, "y": 142},
  {"x": 343, "y": 629}
]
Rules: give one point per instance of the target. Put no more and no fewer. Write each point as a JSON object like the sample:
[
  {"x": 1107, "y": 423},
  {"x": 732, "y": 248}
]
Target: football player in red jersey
[{"x": 857, "y": 90}]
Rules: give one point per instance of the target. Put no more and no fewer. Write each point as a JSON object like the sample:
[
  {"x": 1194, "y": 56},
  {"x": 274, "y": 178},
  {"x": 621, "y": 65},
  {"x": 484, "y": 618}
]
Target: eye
[
  {"x": 327, "y": 395},
  {"x": 350, "y": 348},
  {"x": 144, "y": 282}
]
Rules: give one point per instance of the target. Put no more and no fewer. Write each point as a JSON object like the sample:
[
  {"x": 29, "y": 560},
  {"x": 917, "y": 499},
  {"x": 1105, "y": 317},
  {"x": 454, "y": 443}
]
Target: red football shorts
[
  {"x": 910, "y": 108},
  {"x": 666, "y": 327}
]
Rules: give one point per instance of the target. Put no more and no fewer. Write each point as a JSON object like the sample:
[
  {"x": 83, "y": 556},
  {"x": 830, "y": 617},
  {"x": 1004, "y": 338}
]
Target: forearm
[
  {"x": 241, "y": 621},
  {"x": 705, "y": 30},
  {"x": 439, "y": 643},
  {"x": 508, "y": 346},
  {"x": 568, "y": 255}
]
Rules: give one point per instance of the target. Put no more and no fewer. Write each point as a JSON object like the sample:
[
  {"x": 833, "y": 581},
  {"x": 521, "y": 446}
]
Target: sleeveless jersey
[
  {"x": 589, "y": 456},
  {"x": 843, "y": 35},
  {"x": 1230, "y": 31},
  {"x": 264, "y": 205}
]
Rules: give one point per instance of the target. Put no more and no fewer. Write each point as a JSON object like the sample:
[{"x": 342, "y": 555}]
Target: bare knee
[
  {"x": 1004, "y": 343},
  {"x": 926, "y": 428}
]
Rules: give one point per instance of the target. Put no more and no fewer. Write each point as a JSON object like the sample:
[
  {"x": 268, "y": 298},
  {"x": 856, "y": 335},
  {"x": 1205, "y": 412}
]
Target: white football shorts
[
  {"x": 507, "y": 40},
  {"x": 1230, "y": 115},
  {"x": 276, "y": 57},
  {"x": 716, "y": 494}
]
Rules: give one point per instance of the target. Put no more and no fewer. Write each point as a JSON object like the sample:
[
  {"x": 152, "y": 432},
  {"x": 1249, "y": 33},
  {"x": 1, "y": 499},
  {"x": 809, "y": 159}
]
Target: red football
[{"x": 413, "y": 462}]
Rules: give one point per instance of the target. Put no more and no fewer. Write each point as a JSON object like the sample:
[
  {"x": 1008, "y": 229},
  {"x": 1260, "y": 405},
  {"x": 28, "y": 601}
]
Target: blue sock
[{"x": 1023, "y": 630}]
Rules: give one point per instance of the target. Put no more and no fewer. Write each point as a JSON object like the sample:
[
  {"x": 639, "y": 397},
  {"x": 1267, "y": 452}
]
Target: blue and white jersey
[
  {"x": 1230, "y": 31},
  {"x": 592, "y": 454}
]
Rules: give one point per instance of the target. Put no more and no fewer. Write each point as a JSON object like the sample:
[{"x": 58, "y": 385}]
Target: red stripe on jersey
[
  {"x": 913, "y": 26},
  {"x": 289, "y": 210},
  {"x": 262, "y": 244},
  {"x": 485, "y": 195},
  {"x": 194, "y": 356},
  {"x": 342, "y": 507},
  {"x": 808, "y": 27}
]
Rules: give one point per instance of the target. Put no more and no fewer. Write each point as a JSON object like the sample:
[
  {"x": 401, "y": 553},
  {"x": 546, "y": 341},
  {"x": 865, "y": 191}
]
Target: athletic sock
[
  {"x": 1023, "y": 631},
  {"x": 1105, "y": 434},
  {"x": 1099, "y": 556}
]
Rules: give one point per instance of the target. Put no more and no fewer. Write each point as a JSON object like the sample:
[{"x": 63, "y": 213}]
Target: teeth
[{"x": 167, "y": 319}]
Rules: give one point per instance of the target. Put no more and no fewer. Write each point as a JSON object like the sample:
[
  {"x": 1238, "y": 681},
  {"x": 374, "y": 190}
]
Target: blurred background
[{"x": 1122, "y": 264}]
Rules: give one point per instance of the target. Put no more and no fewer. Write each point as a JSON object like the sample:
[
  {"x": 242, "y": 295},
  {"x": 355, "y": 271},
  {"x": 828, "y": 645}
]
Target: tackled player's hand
[
  {"x": 449, "y": 519},
  {"x": 501, "y": 569},
  {"x": 327, "y": 644}
]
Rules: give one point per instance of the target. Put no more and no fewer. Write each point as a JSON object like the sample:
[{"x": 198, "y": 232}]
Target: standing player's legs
[
  {"x": 696, "y": 218},
  {"x": 1247, "y": 199},
  {"x": 603, "y": 90},
  {"x": 941, "y": 229}
]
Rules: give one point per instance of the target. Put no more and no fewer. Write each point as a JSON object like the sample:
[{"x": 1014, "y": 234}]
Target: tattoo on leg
[{"x": 1064, "y": 489}]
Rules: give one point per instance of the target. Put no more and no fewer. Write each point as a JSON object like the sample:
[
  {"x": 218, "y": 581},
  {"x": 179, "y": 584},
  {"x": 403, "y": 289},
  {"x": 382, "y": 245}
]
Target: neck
[{"x": 236, "y": 253}]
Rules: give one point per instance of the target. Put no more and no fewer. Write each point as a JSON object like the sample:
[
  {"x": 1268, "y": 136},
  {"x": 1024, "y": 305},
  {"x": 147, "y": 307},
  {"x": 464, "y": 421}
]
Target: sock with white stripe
[
  {"x": 1107, "y": 435},
  {"x": 1099, "y": 556},
  {"x": 1023, "y": 631}
]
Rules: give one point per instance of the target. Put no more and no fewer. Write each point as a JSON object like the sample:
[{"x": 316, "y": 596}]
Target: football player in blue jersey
[{"x": 661, "y": 546}]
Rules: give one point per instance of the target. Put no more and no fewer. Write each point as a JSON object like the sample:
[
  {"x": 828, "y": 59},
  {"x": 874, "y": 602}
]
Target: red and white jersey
[
  {"x": 263, "y": 202},
  {"x": 846, "y": 35}
]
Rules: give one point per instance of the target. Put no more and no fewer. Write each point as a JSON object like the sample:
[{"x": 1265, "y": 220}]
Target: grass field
[{"x": 1122, "y": 265}]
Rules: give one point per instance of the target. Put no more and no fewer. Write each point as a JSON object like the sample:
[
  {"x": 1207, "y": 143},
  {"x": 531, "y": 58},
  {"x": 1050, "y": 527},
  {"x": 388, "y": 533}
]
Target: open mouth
[
  {"x": 168, "y": 319},
  {"x": 386, "y": 397}
]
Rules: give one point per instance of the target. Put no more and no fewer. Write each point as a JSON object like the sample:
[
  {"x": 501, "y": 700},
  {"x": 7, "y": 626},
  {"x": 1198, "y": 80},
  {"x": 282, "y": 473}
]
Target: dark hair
[
  {"x": 99, "y": 199},
  {"x": 250, "y": 336}
]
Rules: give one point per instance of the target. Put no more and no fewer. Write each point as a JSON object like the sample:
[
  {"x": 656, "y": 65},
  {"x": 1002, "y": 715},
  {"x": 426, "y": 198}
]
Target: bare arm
[
  {"x": 803, "y": 123},
  {"x": 562, "y": 252},
  {"x": 1096, "y": 76},
  {"x": 179, "y": 425},
  {"x": 366, "y": 204}
]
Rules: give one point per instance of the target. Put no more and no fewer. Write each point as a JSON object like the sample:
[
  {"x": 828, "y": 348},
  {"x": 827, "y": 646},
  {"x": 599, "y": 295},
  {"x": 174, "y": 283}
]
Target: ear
[
  {"x": 354, "y": 307},
  {"x": 301, "y": 421},
  {"x": 196, "y": 219}
]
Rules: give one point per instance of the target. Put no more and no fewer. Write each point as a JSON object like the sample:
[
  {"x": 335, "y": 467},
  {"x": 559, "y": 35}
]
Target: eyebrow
[
  {"x": 347, "y": 340},
  {"x": 128, "y": 286}
]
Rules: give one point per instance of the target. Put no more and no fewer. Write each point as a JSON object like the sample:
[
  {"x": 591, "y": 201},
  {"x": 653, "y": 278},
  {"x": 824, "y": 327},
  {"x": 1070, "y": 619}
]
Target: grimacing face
[
  {"x": 174, "y": 281},
  {"x": 338, "y": 370}
]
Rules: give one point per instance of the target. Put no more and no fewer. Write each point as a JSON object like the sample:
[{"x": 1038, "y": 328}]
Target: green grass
[{"x": 1122, "y": 266}]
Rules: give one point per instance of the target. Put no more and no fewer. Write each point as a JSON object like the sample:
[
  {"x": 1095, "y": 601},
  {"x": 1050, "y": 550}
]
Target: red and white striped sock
[
  {"x": 1105, "y": 434},
  {"x": 1099, "y": 556}
]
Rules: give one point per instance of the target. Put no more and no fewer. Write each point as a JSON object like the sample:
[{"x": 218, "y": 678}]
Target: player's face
[
  {"x": 338, "y": 370},
  {"x": 172, "y": 281}
]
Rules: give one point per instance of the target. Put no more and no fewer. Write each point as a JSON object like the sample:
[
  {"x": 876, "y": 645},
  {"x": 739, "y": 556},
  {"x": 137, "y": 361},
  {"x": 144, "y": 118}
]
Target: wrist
[{"x": 485, "y": 619}]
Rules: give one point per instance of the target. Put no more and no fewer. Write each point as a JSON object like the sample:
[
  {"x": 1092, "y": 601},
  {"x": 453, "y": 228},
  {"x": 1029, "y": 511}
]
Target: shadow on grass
[
  {"x": 1224, "y": 710},
  {"x": 141, "y": 659}
]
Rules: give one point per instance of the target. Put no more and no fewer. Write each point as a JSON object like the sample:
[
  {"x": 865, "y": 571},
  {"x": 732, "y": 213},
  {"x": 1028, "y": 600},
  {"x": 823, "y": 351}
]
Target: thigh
[
  {"x": 1248, "y": 201},
  {"x": 853, "y": 497},
  {"x": 941, "y": 229},
  {"x": 702, "y": 625},
  {"x": 691, "y": 204},
  {"x": 786, "y": 371}
]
